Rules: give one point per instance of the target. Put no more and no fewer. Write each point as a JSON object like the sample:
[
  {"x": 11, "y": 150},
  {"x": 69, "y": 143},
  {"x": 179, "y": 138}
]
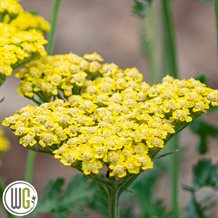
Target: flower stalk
[
  {"x": 113, "y": 201},
  {"x": 29, "y": 166},
  {"x": 112, "y": 190},
  {"x": 171, "y": 67},
  {"x": 151, "y": 42},
  {"x": 169, "y": 41},
  {"x": 31, "y": 155},
  {"x": 159, "y": 45},
  {"x": 51, "y": 37}
]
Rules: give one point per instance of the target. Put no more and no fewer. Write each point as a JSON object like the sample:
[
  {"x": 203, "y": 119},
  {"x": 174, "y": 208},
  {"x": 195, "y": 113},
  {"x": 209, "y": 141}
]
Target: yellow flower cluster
[
  {"x": 4, "y": 142},
  {"x": 21, "y": 36},
  {"x": 59, "y": 75},
  {"x": 27, "y": 20},
  {"x": 12, "y": 12},
  {"x": 115, "y": 120},
  {"x": 16, "y": 46},
  {"x": 10, "y": 7}
]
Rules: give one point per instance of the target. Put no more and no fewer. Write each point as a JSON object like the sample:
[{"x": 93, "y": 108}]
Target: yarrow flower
[
  {"x": 16, "y": 46},
  {"x": 27, "y": 21},
  {"x": 4, "y": 142},
  {"x": 110, "y": 118},
  {"x": 21, "y": 36},
  {"x": 10, "y": 7},
  {"x": 12, "y": 12}
]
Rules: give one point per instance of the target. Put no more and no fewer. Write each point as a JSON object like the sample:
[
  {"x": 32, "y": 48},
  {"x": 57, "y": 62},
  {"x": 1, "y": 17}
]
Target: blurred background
[{"x": 110, "y": 28}]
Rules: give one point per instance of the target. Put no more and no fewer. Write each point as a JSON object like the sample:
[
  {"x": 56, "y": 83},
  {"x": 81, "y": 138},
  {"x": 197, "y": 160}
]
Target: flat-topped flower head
[
  {"x": 114, "y": 121},
  {"x": 16, "y": 46},
  {"x": 61, "y": 76}
]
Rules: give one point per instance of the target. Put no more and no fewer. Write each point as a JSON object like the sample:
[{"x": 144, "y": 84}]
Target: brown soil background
[{"x": 110, "y": 28}]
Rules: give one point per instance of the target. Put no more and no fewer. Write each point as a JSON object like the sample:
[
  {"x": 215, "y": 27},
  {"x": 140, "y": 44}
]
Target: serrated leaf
[
  {"x": 205, "y": 173},
  {"x": 51, "y": 197},
  {"x": 60, "y": 202},
  {"x": 99, "y": 203},
  {"x": 76, "y": 196},
  {"x": 141, "y": 7},
  {"x": 203, "y": 128}
]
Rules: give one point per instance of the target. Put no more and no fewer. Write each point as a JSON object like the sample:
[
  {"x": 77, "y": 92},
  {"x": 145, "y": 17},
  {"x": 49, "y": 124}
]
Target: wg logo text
[{"x": 20, "y": 198}]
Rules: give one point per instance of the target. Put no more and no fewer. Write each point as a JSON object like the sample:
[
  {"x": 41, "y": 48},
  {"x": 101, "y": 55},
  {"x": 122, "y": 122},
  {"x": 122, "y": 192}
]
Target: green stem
[
  {"x": 29, "y": 166},
  {"x": 170, "y": 55},
  {"x": 112, "y": 189},
  {"x": 123, "y": 185},
  {"x": 31, "y": 154},
  {"x": 171, "y": 68},
  {"x": 174, "y": 165},
  {"x": 151, "y": 42},
  {"x": 113, "y": 201},
  {"x": 51, "y": 37}
]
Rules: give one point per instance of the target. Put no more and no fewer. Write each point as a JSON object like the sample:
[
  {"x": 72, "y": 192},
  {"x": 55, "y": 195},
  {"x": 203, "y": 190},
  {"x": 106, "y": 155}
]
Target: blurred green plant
[
  {"x": 142, "y": 193},
  {"x": 62, "y": 201},
  {"x": 204, "y": 130},
  {"x": 157, "y": 40},
  {"x": 205, "y": 174}
]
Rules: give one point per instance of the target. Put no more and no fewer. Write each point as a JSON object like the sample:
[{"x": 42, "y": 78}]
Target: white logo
[{"x": 20, "y": 198}]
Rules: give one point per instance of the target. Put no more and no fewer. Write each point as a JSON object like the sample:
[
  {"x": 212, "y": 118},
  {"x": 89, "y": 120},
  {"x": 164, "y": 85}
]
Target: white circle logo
[{"x": 20, "y": 198}]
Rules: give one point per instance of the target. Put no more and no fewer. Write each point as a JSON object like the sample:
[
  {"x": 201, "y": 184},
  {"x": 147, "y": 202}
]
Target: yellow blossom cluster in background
[
  {"x": 10, "y": 7},
  {"x": 12, "y": 12},
  {"x": 16, "y": 46},
  {"x": 110, "y": 117},
  {"x": 21, "y": 36},
  {"x": 4, "y": 142},
  {"x": 27, "y": 20}
]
